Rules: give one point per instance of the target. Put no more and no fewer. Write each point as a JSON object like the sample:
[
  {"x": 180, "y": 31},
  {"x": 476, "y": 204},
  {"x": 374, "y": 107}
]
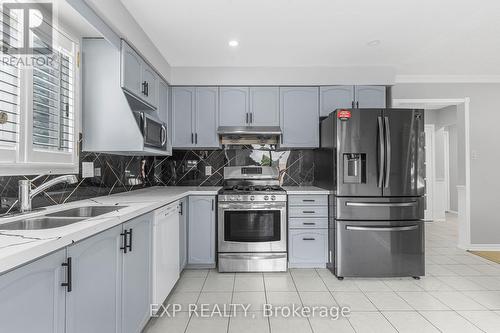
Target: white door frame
[
  {"x": 466, "y": 243},
  {"x": 430, "y": 177},
  {"x": 446, "y": 142}
]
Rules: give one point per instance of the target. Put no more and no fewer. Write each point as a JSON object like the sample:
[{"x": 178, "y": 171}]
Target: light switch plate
[
  {"x": 87, "y": 169},
  {"x": 97, "y": 172},
  {"x": 208, "y": 170}
]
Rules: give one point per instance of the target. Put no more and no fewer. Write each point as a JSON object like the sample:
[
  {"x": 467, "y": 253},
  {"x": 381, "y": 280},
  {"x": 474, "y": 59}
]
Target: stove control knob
[
  {"x": 273, "y": 197},
  {"x": 252, "y": 198},
  {"x": 266, "y": 197}
]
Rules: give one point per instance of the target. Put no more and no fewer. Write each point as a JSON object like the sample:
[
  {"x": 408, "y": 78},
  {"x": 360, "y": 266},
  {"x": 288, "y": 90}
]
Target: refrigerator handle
[
  {"x": 388, "y": 151},
  {"x": 381, "y": 157}
]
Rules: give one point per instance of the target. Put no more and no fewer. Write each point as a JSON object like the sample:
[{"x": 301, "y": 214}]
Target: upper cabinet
[
  {"x": 370, "y": 97},
  {"x": 249, "y": 106},
  {"x": 264, "y": 106},
  {"x": 137, "y": 77},
  {"x": 194, "y": 117},
  {"x": 339, "y": 97},
  {"x": 234, "y": 106},
  {"x": 299, "y": 117},
  {"x": 335, "y": 97}
]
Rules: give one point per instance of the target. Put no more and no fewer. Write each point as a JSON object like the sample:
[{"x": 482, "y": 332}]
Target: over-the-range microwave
[{"x": 153, "y": 130}]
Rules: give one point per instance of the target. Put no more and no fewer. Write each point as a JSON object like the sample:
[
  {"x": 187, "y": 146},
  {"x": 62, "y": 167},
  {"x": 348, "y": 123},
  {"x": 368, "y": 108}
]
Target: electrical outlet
[
  {"x": 208, "y": 170},
  {"x": 97, "y": 172},
  {"x": 87, "y": 169}
]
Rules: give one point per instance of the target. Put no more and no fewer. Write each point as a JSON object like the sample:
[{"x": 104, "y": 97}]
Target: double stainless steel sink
[{"x": 59, "y": 219}]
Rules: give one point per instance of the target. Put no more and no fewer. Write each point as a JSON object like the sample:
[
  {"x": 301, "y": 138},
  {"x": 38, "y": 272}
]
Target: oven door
[{"x": 252, "y": 227}]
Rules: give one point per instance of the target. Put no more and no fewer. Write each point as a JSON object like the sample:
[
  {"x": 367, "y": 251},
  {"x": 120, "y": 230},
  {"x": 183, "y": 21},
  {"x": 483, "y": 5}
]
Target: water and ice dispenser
[{"x": 354, "y": 168}]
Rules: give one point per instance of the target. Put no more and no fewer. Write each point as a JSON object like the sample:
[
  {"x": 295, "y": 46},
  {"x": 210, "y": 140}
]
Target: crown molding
[{"x": 447, "y": 79}]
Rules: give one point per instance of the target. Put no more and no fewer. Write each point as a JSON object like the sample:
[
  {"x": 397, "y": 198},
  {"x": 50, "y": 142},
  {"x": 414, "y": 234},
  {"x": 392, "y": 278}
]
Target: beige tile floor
[{"x": 460, "y": 293}]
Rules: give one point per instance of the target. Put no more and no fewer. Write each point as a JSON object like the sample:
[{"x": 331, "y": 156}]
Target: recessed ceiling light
[
  {"x": 375, "y": 42},
  {"x": 233, "y": 43}
]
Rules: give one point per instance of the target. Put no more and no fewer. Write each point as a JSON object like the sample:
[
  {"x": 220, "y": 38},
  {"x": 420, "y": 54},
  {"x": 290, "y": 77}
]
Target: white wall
[
  {"x": 453, "y": 167},
  {"x": 484, "y": 120}
]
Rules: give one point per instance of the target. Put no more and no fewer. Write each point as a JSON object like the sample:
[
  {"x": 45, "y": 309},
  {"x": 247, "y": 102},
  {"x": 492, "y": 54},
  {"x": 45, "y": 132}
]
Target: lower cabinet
[
  {"x": 136, "y": 275},
  {"x": 93, "y": 299},
  {"x": 308, "y": 248},
  {"x": 201, "y": 231},
  {"x": 183, "y": 228},
  {"x": 31, "y": 297}
]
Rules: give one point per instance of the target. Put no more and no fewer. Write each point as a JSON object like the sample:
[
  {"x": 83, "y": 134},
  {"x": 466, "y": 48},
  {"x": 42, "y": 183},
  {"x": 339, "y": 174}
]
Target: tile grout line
[
  {"x": 267, "y": 300},
  {"x": 197, "y": 299}
]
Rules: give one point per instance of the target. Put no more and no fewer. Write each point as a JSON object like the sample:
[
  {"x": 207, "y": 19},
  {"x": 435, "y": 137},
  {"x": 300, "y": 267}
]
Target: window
[{"x": 40, "y": 103}]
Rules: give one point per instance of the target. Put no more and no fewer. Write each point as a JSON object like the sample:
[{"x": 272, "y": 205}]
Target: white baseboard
[
  {"x": 308, "y": 265},
  {"x": 484, "y": 247}
]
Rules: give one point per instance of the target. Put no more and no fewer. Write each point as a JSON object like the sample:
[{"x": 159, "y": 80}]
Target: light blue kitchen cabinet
[
  {"x": 131, "y": 70},
  {"x": 194, "y": 117},
  {"x": 163, "y": 111},
  {"x": 183, "y": 232},
  {"x": 183, "y": 108},
  {"x": 94, "y": 302},
  {"x": 308, "y": 247},
  {"x": 335, "y": 97},
  {"x": 32, "y": 298},
  {"x": 136, "y": 274},
  {"x": 206, "y": 113},
  {"x": 299, "y": 117},
  {"x": 201, "y": 231},
  {"x": 370, "y": 97},
  {"x": 150, "y": 82},
  {"x": 234, "y": 106},
  {"x": 264, "y": 106}
]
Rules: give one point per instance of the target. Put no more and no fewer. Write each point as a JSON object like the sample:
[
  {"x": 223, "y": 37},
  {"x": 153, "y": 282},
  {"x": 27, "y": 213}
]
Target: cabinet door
[
  {"x": 150, "y": 79},
  {"x": 93, "y": 305},
  {"x": 335, "y": 97},
  {"x": 299, "y": 117},
  {"x": 183, "y": 102},
  {"x": 206, "y": 117},
  {"x": 136, "y": 274},
  {"x": 370, "y": 97},
  {"x": 31, "y": 297},
  {"x": 201, "y": 228},
  {"x": 308, "y": 248},
  {"x": 183, "y": 220},
  {"x": 264, "y": 106},
  {"x": 163, "y": 111},
  {"x": 131, "y": 70},
  {"x": 234, "y": 106}
]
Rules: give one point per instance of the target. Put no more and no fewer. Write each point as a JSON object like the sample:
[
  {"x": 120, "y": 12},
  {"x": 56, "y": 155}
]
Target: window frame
[{"x": 24, "y": 159}]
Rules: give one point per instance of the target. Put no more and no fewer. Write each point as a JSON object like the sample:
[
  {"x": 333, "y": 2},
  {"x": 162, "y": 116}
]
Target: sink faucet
[{"x": 26, "y": 194}]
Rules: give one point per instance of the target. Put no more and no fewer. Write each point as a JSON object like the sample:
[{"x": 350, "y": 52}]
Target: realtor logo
[{"x": 27, "y": 28}]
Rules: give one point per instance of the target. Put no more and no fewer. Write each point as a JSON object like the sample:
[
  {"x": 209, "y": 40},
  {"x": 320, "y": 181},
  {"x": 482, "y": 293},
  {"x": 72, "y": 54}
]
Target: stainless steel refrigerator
[{"x": 373, "y": 161}]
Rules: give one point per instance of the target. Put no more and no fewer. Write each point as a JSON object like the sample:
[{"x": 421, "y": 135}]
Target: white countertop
[
  {"x": 305, "y": 190},
  {"x": 18, "y": 247}
]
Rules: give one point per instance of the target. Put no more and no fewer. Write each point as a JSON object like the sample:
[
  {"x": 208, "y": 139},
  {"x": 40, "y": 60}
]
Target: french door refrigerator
[{"x": 373, "y": 161}]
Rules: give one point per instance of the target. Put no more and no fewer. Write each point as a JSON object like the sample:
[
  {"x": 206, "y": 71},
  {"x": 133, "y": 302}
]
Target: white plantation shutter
[{"x": 9, "y": 104}]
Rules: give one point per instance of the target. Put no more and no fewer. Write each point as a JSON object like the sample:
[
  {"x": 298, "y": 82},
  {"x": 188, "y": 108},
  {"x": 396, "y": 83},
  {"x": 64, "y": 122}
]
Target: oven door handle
[
  {"x": 251, "y": 206},
  {"x": 252, "y": 257}
]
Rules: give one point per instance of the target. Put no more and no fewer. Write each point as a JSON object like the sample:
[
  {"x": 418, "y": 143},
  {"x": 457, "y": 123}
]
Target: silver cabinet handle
[
  {"x": 308, "y": 200},
  {"x": 251, "y": 118},
  {"x": 308, "y": 211},
  {"x": 192, "y": 138},
  {"x": 381, "y": 159},
  {"x": 388, "y": 229},
  {"x": 309, "y": 223},
  {"x": 388, "y": 152},
  {"x": 308, "y": 238},
  {"x": 381, "y": 204},
  {"x": 246, "y": 121},
  {"x": 196, "y": 138}
]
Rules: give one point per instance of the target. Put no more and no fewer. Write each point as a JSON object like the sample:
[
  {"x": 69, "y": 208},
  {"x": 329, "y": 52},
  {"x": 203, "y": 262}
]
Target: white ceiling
[{"x": 431, "y": 37}]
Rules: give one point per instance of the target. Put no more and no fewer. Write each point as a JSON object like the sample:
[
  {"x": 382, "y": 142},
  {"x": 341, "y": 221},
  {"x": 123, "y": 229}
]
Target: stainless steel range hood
[{"x": 246, "y": 135}]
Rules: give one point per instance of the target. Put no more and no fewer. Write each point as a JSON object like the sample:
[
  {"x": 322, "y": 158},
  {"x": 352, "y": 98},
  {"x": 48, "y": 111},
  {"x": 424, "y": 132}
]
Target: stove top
[{"x": 251, "y": 188}]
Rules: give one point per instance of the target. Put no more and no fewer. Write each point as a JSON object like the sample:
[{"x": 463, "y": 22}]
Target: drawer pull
[
  {"x": 308, "y": 238},
  {"x": 381, "y": 204},
  {"x": 388, "y": 229},
  {"x": 308, "y": 200},
  {"x": 308, "y": 211},
  {"x": 309, "y": 223}
]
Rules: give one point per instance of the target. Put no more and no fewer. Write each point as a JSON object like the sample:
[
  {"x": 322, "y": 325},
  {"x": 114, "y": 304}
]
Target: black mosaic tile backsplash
[{"x": 184, "y": 168}]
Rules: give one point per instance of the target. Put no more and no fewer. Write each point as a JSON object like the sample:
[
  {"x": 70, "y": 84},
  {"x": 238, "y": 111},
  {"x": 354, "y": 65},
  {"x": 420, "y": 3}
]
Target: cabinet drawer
[
  {"x": 308, "y": 247},
  {"x": 308, "y": 200},
  {"x": 308, "y": 223},
  {"x": 308, "y": 211}
]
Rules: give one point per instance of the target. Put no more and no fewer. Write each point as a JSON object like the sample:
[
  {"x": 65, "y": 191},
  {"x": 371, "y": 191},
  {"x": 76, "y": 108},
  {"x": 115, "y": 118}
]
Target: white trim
[
  {"x": 484, "y": 247},
  {"x": 446, "y": 142},
  {"x": 447, "y": 78},
  {"x": 430, "y": 177},
  {"x": 454, "y": 101}
]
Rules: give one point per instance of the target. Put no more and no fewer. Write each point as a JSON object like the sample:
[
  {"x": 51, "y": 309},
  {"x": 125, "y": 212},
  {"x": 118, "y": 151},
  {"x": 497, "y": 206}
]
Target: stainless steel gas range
[{"x": 252, "y": 222}]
